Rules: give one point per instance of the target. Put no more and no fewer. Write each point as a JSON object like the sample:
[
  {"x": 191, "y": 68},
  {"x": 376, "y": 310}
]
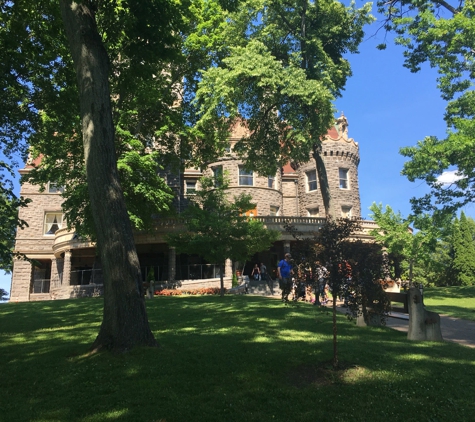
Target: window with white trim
[
  {"x": 53, "y": 222},
  {"x": 345, "y": 212},
  {"x": 311, "y": 180},
  {"x": 190, "y": 186},
  {"x": 246, "y": 177},
  {"x": 313, "y": 212},
  {"x": 343, "y": 176}
]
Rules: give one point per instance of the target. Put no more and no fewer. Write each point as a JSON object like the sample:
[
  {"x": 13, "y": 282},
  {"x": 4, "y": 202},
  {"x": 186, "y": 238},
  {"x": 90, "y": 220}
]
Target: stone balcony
[{"x": 68, "y": 240}]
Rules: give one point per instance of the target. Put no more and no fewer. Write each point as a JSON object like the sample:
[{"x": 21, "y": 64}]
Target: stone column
[
  {"x": 171, "y": 264},
  {"x": 228, "y": 268},
  {"x": 21, "y": 281},
  {"x": 67, "y": 269},
  {"x": 54, "y": 281}
]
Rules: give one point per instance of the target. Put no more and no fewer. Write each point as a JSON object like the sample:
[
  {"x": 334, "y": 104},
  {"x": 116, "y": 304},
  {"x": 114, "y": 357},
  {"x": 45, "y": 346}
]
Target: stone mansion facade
[{"x": 61, "y": 265}]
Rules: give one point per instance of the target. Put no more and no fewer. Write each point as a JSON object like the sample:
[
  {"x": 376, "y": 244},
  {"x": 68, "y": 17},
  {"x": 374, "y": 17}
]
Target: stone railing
[{"x": 65, "y": 239}]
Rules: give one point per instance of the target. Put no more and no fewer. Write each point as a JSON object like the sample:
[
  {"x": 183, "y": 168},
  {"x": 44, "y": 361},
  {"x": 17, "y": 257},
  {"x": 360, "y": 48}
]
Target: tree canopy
[
  {"x": 463, "y": 246},
  {"x": 41, "y": 108},
  {"x": 408, "y": 246},
  {"x": 108, "y": 92},
  {"x": 277, "y": 66},
  {"x": 441, "y": 33},
  {"x": 88, "y": 83}
]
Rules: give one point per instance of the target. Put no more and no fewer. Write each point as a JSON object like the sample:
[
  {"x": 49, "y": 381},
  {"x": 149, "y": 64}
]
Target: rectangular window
[
  {"x": 245, "y": 177},
  {"x": 311, "y": 180},
  {"x": 53, "y": 222},
  {"x": 271, "y": 182},
  {"x": 190, "y": 186},
  {"x": 54, "y": 188},
  {"x": 313, "y": 212},
  {"x": 273, "y": 210},
  {"x": 217, "y": 175},
  {"x": 346, "y": 212},
  {"x": 343, "y": 175}
]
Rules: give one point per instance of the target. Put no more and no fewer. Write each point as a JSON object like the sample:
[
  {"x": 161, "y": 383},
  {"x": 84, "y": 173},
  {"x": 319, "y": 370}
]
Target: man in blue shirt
[{"x": 284, "y": 272}]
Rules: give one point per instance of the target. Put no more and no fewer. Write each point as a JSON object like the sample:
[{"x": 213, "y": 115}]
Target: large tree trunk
[
  {"x": 323, "y": 182},
  {"x": 125, "y": 322},
  {"x": 221, "y": 279}
]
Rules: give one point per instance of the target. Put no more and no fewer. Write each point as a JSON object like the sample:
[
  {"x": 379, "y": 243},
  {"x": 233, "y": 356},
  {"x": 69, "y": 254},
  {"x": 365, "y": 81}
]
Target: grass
[
  {"x": 237, "y": 358},
  {"x": 458, "y": 302}
]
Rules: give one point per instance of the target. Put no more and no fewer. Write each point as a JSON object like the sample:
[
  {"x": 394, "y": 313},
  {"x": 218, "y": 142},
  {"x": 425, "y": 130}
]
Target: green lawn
[
  {"x": 457, "y": 302},
  {"x": 237, "y": 358}
]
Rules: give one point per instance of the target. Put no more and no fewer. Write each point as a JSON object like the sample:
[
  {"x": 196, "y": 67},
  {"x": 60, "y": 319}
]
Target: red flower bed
[{"x": 202, "y": 291}]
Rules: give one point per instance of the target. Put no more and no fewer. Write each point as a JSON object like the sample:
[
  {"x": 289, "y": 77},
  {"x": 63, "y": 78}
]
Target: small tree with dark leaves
[{"x": 354, "y": 267}]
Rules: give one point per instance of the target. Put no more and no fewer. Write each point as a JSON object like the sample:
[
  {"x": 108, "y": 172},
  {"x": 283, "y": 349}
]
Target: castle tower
[{"x": 341, "y": 157}]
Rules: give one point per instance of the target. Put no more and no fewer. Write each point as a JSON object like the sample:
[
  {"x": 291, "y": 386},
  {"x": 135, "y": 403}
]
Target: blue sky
[{"x": 387, "y": 108}]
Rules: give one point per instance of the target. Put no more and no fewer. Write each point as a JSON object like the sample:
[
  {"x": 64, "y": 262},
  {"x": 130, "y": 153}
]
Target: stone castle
[{"x": 62, "y": 265}]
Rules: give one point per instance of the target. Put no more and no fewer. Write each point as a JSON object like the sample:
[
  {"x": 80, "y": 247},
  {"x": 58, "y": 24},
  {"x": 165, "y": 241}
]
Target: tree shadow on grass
[{"x": 235, "y": 359}]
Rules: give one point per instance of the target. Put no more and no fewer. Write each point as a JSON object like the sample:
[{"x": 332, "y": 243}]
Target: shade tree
[
  {"x": 277, "y": 66},
  {"x": 86, "y": 82}
]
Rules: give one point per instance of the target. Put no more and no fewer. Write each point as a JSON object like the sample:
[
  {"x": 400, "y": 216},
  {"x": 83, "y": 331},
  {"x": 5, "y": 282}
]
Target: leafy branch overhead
[
  {"x": 278, "y": 66},
  {"x": 442, "y": 34}
]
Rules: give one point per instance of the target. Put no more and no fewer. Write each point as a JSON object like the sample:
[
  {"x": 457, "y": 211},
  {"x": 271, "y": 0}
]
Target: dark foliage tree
[
  {"x": 463, "y": 264},
  {"x": 354, "y": 268},
  {"x": 3, "y": 294}
]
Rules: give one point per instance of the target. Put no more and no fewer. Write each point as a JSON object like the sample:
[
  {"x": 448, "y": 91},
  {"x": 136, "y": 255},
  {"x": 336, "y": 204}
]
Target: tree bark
[
  {"x": 335, "y": 332},
  {"x": 125, "y": 323},
  {"x": 323, "y": 182},
  {"x": 221, "y": 279}
]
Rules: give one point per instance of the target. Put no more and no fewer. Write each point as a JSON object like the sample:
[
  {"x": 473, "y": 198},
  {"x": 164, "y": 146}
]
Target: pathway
[{"x": 457, "y": 330}]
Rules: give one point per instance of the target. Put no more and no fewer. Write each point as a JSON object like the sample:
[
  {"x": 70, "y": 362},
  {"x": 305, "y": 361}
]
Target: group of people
[
  {"x": 259, "y": 272},
  {"x": 314, "y": 289},
  {"x": 287, "y": 284}
]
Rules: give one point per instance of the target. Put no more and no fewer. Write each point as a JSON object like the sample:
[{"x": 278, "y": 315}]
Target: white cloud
[{"x": 448, "y": 177}]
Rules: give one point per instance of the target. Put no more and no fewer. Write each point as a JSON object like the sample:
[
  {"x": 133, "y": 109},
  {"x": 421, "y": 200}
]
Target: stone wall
[
  {"x": 263, "y": 196},
  {"x": 289, "y": 196},
  {"x": 31, "y": 239},
  {"x": 21, "y": 281}
]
